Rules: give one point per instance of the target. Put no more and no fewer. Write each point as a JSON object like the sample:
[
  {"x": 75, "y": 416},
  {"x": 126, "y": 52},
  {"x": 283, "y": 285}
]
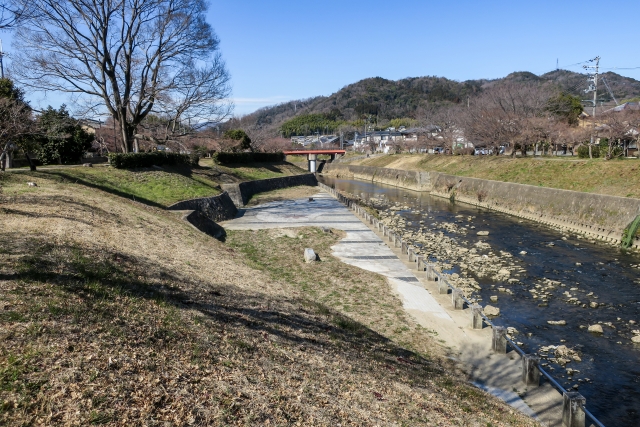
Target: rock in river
[
  {"x": 557, "y": 322},
  {"x": 490, "y": 310},
  {"x": 482, "y": 233},
  {"x": 597, "y": 329}
]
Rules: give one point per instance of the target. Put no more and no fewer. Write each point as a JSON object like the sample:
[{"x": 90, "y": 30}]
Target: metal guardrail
[{"x": 572, "y": 400}]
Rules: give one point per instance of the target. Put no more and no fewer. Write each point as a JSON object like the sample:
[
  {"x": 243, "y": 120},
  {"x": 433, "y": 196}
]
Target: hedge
[
  {"x": 234, "y": 158},
  {"x": 144, "y": 160}
]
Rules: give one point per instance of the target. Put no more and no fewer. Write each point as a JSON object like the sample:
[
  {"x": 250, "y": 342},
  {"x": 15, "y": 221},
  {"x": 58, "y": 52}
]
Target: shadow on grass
[
  {"x": 62, "y": 176},
  {"x": 96, "y": 275}
]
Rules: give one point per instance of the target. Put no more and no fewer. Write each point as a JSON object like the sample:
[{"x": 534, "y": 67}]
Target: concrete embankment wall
[
  {"x": 411, "y": 180},
  {"x": 205, "y": 212},
  {"x": 596, "y": 215},
  {"x": 242, "y": 192}
]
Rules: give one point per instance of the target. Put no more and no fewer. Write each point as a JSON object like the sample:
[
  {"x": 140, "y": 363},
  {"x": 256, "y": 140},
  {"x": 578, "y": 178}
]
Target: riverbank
[
  {"x": 614, "y": 177},
  {"x": 117, "y": 312},
  {"x": 594, "y": 215}
]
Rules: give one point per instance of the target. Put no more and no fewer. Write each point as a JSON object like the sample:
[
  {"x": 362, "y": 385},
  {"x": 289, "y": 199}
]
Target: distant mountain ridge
[{"x": 388, "y": 99}]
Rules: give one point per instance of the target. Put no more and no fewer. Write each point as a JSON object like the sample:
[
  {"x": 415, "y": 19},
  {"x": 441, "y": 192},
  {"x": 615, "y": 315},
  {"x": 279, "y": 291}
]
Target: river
[{"x": 609, "y": 370}]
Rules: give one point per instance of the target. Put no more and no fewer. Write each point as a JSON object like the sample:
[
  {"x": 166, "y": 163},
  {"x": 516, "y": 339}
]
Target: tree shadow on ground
[{"x": 96, "y": 275}]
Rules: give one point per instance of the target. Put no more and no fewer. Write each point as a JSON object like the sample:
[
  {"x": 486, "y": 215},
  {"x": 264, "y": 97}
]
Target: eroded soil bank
[{"x": 534, "y": 275}]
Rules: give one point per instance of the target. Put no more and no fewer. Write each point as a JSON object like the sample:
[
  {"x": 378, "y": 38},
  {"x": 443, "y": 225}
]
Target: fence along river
[{"x": 606, "y": 371}]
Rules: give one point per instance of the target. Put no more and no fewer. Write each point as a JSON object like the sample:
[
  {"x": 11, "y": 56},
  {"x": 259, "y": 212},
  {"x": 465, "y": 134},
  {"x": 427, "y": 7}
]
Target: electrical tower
[{"x": 593, "y": 86}]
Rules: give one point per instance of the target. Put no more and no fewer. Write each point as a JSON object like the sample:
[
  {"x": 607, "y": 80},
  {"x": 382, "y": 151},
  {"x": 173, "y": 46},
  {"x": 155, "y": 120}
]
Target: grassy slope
[
  {"x": 164, "y": 187},
  {"x": 117, "y": 313},
  {"x": 614, "y": 177},
  {"x": 253, "y": 171}
]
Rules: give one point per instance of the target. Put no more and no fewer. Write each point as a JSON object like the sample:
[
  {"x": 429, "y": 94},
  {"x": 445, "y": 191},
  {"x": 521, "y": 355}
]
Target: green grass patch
[
  {"x": 254, "y": 171},
  {"x": 156, "y": 187}
]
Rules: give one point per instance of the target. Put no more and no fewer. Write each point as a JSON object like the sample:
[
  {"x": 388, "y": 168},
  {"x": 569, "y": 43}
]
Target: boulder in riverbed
[
  {"x": 557, "y": 322},
  {"x": 492, "y": 311},
  {"x": 596, "y": 329}
]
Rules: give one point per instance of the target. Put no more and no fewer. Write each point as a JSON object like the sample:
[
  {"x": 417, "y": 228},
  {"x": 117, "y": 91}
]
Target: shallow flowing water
[{"x": 609, "y": 373}]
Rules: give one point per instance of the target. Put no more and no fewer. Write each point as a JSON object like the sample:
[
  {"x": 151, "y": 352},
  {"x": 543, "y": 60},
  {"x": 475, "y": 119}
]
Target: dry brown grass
[{"x": 117, "y": 313}]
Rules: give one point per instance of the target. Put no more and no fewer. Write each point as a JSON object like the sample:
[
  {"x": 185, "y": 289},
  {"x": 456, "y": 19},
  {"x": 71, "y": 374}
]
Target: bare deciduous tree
[
  {"x": 130, "y": 57},
  {"x": 444, "y": 127},
  {"x": 505, "y": 114},
  {"x": 13, "y": 13}
]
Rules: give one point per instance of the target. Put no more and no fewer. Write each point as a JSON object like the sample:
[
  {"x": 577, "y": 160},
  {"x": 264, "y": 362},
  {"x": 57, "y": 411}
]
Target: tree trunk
[
  {"x": 32, "y": 166},
  {"x": 127, "y": 137}
]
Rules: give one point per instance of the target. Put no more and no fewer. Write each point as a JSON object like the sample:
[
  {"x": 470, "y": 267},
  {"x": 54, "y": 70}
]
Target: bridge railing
[{"x": 574, "y": 412}]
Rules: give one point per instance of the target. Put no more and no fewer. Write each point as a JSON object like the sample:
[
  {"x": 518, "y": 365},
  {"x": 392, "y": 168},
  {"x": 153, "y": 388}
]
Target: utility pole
[
  {"x": 1, "y": 65},
  {"x": 593, "y": 87}
]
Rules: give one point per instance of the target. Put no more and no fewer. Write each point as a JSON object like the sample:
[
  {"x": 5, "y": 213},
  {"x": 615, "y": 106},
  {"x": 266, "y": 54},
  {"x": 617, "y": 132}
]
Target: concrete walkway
[
  {"x": 366, "y": 248},
  {"x": 362, "y": 247}
]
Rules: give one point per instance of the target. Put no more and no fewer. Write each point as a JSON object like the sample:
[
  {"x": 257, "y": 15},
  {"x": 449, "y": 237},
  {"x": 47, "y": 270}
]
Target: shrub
[
  {"x": 583, "y": 151},
  {"x": 227, "y": 158},
  {"x": 145, "y": 160}
]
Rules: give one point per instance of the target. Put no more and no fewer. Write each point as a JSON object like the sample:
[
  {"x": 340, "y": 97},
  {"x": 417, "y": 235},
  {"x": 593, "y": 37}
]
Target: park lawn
[{"x": 619, "y": 177}]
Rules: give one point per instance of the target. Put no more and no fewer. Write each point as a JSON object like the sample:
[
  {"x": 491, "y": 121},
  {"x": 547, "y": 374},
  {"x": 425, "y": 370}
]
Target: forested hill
[{"x": 411, "y": 97}]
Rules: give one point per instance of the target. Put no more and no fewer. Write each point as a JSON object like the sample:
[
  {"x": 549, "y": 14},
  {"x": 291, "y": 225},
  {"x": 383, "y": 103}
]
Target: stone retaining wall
[
  {"x": 411, "y": 180},
  {"x": 242, "y": 192},
  {"x": 216, "y": 208}
]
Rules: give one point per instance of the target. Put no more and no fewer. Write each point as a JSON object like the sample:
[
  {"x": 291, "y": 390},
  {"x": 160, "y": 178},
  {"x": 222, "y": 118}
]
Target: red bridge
[{"x": 312, "y": 155}]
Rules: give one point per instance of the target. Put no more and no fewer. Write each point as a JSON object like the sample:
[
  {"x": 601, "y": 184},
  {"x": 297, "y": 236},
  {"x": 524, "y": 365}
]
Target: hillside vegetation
[
  {"x": 412, "y": 97},
  {"x": 114, "y": 312},
  {"x": 614, "y": 177}
]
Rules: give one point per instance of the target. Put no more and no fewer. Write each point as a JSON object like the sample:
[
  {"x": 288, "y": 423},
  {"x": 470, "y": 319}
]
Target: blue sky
[{"x": 279, "y": 50}]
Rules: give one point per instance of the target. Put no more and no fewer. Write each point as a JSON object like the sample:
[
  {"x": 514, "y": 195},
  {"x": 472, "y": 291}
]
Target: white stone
[
  {"x": 482, "y": 233},
  {"x": 309, "y": 255},
  {"x": 636, "y": 339}
]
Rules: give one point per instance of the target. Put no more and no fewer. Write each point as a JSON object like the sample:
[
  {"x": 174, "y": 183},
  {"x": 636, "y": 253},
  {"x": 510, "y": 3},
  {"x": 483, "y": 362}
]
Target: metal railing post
[
  {"x": 476, "y": 316},
  {"x": 456, "y": 299},
  {"x": 572, "y": 413},
  {"x": 530, "y": 372},
  {"x": 499, "y": 339}
]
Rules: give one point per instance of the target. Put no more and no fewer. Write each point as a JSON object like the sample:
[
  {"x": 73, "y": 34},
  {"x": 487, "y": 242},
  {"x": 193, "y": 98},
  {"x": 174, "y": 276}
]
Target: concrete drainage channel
[{"x": 574, "y": 411}]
